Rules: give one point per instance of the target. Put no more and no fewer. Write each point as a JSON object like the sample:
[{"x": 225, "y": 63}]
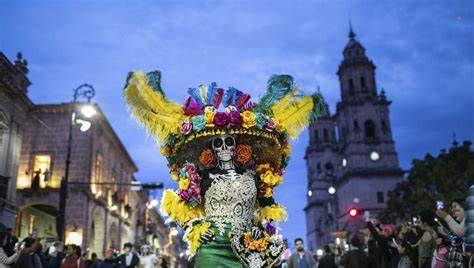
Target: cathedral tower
[{"x": 358, "y": 159}]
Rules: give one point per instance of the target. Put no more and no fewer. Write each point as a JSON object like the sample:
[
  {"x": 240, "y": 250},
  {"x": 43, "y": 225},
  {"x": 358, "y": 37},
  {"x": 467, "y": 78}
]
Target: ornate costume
[{"x": 226, "y": 163}]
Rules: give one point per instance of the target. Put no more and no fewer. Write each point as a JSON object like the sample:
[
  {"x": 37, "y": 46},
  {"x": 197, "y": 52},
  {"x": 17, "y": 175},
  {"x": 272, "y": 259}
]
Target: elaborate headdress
[{"x": 261, "y": 131}]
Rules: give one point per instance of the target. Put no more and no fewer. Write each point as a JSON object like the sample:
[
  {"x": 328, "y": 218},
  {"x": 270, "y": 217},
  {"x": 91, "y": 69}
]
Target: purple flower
[
  {"x": 270, "y": 229},
  {"x": 184, "y": 195},
  {"x": 194, "y": 178},
  {"x": 235, "y": 119},
  {"x": 221, "y": 119},
  {"x": 270, "y": 125},
  {"x": 190, "y": 168},
  {"x": 186, "y": 127}
]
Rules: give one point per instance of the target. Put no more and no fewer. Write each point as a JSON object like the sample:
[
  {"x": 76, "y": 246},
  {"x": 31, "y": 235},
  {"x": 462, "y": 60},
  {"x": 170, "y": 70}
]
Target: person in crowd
[
  {"x": 285, "y": 256},
  {"x": 94, "y": 260},
  {"x": 407, "y": 236},
  {"x": 6, "y": 259},
  {"x": 427, "y": 243},
  {"x": 328, "y": 259},
  {"x": 30, "y": 258},
  {"x": 356, "y": 257},
  {"x": 455, "y": 221},
  {"x": 110, "y": 260},
  {"x": 73, "y": 258},
  {"x": 301, "y": 258},
  {"x": 55, "y": 255},
  {"x": 128, "y": 259},
  {"x": 383, "y": 234},
  {"x": 148, "y": 259}
]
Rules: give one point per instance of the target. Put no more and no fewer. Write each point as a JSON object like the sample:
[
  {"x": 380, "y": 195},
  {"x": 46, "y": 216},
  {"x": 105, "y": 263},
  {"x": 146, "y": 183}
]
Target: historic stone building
[
  {"x": 351, "y": 152},
  {"x": 14, "y": 108}
]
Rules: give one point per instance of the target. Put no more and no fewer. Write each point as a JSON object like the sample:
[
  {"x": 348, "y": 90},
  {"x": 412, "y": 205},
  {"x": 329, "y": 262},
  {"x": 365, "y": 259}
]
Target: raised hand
[{"x": 206, "y": 236}]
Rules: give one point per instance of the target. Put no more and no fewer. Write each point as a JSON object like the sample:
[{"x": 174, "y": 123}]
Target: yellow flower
[
  {"x": 262, "y": 168},
  {"x": 275, "y": 213},
  {"x": 209, "y": 117},
  {"x": 174, "y": 175},
  {"x": 271, "y": 179},
  {"x": 165, "y": 151},
  {"x": 287, "y": 150},
  {"x": 278, "y": 126},
  {"x": 249, "y": 119},
  {"x": 268, "y": 192},
  {"x": 259, "y": 245},
  {"x": 177, "y": 210},
  {"x": 184, "y": 184},
  {"x": 194, "y": 235}
]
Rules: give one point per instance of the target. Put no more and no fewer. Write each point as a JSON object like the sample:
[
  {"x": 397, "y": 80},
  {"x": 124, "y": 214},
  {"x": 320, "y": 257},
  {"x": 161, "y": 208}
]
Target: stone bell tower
[{"x": 352, "y": 150}]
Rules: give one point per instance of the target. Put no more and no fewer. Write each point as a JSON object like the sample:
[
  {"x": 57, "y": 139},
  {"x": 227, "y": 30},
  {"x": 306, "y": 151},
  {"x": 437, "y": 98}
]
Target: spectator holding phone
[
  {"x": 6, "y": 260},
  {"x": 455, "y": 221}
]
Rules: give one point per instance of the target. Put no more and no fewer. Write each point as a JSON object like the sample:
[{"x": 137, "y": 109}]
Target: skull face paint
[{"x": 224, "y": 147}]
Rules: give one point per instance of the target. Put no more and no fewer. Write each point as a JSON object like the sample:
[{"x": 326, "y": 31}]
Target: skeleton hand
[{"x": 206, "y": 236}]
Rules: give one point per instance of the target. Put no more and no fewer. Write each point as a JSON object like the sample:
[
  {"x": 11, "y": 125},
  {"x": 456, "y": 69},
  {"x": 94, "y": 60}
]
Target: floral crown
[{"x": 184, "y": 130}]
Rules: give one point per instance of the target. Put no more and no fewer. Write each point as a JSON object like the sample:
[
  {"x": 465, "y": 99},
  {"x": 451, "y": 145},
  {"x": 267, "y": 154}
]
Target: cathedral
[{"x": 351, "y": 158}]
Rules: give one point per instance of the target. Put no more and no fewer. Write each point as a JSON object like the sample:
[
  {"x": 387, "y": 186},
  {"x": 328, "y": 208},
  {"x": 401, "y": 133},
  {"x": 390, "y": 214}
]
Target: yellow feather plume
[
  {"x": 292, "y": 112},
  {"x": 151, "y": 108},
  {"x": 177, "y": 210}
]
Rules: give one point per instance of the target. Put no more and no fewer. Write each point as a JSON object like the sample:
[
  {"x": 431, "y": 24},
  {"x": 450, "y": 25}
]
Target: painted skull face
[{"x": 224, "y": 147}]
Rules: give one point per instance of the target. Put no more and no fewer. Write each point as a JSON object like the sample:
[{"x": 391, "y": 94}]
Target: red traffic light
[{"x": 353, "y": 212}]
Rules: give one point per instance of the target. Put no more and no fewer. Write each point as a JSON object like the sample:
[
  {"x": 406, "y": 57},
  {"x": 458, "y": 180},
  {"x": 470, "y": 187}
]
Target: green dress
[{"x": 217, "y": 252}]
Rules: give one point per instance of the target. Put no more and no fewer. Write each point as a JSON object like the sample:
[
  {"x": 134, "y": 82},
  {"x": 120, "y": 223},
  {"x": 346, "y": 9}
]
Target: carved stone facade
[
  {"x": 352, "y": 150},
  {"x": 14, "y": 108}
]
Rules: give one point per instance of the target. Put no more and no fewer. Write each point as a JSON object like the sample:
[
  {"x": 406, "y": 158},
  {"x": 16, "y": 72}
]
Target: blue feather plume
[
  {"x": 228, "y": 96},
  {"x": 211, "y": 93},
  {"x": 154, "y": 80},
  {"x": 194, "y": 93}
]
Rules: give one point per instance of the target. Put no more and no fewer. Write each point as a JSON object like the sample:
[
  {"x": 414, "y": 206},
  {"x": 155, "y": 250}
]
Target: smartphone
[{"x": 439, "y": 205}]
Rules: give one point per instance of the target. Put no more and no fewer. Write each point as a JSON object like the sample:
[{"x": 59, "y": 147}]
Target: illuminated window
[
  {"x": 41, "y": 168},
  {"x": 97, "y": 178}
]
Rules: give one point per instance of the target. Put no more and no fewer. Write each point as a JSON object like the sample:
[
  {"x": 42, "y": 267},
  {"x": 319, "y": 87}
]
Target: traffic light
[{"x": 354, "y": 212}]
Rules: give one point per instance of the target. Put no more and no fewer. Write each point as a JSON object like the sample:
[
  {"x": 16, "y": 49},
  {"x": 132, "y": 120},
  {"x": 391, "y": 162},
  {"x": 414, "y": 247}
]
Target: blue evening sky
[{"x": 423, "y": 51}]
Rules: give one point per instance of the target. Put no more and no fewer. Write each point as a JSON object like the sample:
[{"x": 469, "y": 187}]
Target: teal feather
[
  {"x": 320, "y": 107},
  {"x": 154, "y": 80},
  {"x": 277, "y": 87}
]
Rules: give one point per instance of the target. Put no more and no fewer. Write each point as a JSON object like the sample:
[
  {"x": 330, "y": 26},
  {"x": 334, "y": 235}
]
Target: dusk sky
[{"x": 423, "y": 50}]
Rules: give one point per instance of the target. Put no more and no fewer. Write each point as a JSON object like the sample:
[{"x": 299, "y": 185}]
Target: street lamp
[{"x": 86, "y": 112}]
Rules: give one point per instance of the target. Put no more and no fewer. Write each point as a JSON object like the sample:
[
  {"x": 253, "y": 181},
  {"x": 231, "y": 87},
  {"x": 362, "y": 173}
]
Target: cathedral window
[
  {"x": 325, "y": 135},
  {"x": 329, "y": 168},
  {"x": 369, "y": 128},
  {"x": 316, "y": 135},
  {"x": 318, "y": 168},
  {"x": 380, "y": 197},
  {"x": 351, "y": 87},
  {"x": 356, "y": 126}
]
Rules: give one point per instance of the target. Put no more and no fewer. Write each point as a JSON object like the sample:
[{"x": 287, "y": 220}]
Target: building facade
[
  {"x": 14, "y": 113},
  {"x": 352, "y": 162}
]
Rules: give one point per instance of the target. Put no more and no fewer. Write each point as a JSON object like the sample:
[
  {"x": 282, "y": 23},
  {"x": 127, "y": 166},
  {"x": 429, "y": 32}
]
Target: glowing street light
[
  {"x": 88, "y": 110},
  {"x": 331, "y": 190}
]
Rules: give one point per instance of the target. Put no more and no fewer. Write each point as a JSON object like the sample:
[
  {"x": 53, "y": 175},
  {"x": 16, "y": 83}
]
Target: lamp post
[{"x": 85, "y": 91}]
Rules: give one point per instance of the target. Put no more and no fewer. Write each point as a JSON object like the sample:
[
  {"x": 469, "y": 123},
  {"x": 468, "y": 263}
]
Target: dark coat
[
  {"x": 327, "y": 261},
  {"x": 294, "y": 260},
  {"x": 356, "y": 258},
  {"x": 122, "y": 261}
]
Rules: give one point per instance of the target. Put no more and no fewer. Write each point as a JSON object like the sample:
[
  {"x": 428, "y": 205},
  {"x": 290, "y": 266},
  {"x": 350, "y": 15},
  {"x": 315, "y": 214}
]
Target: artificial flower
[
  {"x": 191, "y": 168},
  {"x": 209, "y": 117},
  {"x": 207, "y": 158},
  {"x": 186, "y": 127},
  {"x": 270, "y": 229},
  {"x": 274, "y": 213},
  {"x": 271, "y": 178},
  {"x": 243, "y": 153},
  {"x": 249, "y": 119},
  {"x": 270, "y": 125},
  {"x": 165, "y": 151},
  {"x": 184, "y": 184},
  {"x": 221, "y": 119},
  {"x": 199, "y": 123},
  {"x": 287, "y": 150},
  {"x": 235, "y": 118},
  {"x": 258, "y": 245},
  {"x": 268, "y": 192},
  {"x": 177, "y": 210},
  {"x": 185, "y": 196},
  {"x": 262, "y": 168}
]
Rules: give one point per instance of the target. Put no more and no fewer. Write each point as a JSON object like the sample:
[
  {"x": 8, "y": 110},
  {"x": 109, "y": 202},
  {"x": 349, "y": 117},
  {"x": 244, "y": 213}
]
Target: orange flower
[
  {"x": 207, "y": 158},
  {"x": 243, "y": 153},
  {"x": 259, "y": 245}
]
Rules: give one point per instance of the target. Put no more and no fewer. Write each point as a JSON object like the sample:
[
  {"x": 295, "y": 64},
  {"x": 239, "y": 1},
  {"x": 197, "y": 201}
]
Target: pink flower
[
  {"x": 194, "y": 178},
  {"x": 235, "y": 118},
  {"x": 221, "y": 119},
  {"x": 184, "y": 195},
  {"x": 191, "y": 168},
  {"x": 186, "y": 127},
  {"x": 270, "y": 125}
]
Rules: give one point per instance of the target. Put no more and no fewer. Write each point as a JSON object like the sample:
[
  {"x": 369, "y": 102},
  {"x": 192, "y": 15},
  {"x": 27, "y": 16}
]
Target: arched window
[
  {"x": 351, "y": 87},
  {"x": 384, "y": 126},
  {"x": 356, "y": 126},
  {"x": 318, "y": 168},
  {"x": 362, "y": 83},
  {"x": 325, "y": 135},
  {"x": 369, "y": 129},
  {"x": 329, "y": 167}
]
